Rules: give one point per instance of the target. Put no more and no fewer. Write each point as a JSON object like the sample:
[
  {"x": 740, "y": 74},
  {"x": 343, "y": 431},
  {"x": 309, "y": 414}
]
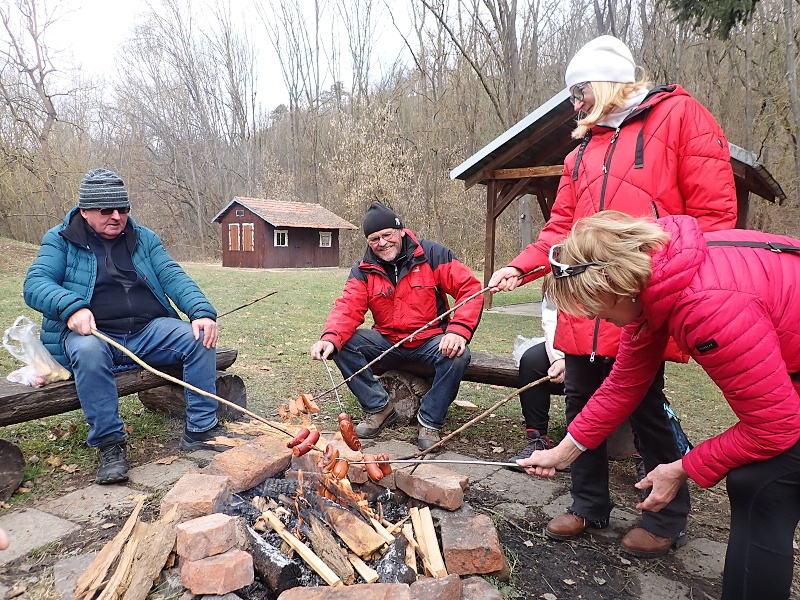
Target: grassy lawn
[{"x": 273, "y": 337}]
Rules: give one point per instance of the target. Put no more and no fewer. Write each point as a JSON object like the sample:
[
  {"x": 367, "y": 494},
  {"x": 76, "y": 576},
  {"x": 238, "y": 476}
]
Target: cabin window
[
  {"x": 248, "y": 237},
  {"x": 281, "y": 237},
  {"x": 240, "y": 213},
  {"x": 325, "y": 239},
  {"x": 234, "y": 240}
]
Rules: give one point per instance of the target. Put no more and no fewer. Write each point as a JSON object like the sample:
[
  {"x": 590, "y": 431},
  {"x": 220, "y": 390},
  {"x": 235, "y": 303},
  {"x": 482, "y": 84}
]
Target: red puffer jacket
[
  {"x": 426, "y": 273},
  {"x": 669, "y": 157},
  {"x": 744, "y": 331}
]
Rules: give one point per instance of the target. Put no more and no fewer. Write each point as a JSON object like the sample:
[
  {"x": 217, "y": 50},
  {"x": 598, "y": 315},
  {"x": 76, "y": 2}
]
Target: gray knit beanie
[{"x": 102, "y": 188}]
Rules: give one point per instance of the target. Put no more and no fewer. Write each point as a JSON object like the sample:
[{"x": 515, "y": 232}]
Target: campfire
[{"x": 319, "y": 517}]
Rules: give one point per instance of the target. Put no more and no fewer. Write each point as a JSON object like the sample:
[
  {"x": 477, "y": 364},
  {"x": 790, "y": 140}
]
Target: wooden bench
[{"x": 484, "y": 367}]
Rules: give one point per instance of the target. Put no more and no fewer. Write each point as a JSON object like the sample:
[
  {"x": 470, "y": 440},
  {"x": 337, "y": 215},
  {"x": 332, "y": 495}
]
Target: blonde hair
[
  {"x": 621, "y": 245},
  {"x": 608, "y": 95}
]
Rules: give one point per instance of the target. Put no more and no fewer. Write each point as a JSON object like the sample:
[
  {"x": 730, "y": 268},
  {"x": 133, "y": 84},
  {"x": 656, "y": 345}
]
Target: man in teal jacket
[{"x": 99, "y": 270}]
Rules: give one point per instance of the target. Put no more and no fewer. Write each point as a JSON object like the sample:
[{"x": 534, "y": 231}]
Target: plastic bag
[
  {"x": 22, "y": 341},
  {"x": 521, "y": 344}
]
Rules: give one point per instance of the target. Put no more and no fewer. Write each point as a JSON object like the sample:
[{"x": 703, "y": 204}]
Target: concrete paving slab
[
  {"x": 526, "y": 309},
  {"x": 160, "y": 476},
  {"x": 475, "y": 473},
  {"x": 656, "y": 587},
  {"x": 393, "y": 448},
  {"x": 29, "y": 529},
  {"x": 512, "y": 510},
  {"x": 67, "y": 571},
  {"x": 521, "y": 487},
  {"x": 4, "y": 589},
  {"x": 703, "y": 557},
  {"x": 94, "y": 504}
]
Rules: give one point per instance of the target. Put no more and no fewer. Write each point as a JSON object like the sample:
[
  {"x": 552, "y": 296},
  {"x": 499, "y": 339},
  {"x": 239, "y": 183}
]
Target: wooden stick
[
  {"x": 411, "y": 555},
  {"x": 410, "y": 336},
  {"x": 369, "y": 574},
  {"x": 382, "y": 530},
  {"x": 392, "y": 529},
  {"x": 482, "y": 416},
  {"x": 119, "y": 581},
  {"x": 433, "y": 553},
  {"x": 314, "y": 561},
  {"x": 188, "y": 386}
]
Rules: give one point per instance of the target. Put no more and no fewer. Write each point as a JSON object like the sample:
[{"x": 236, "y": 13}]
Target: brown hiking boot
[
  {"x": 640, "y": 542},
  {"x": 373, "y": 423},
  {"x": 427, "y": 437},
  {"x": 566, "y": 526}
]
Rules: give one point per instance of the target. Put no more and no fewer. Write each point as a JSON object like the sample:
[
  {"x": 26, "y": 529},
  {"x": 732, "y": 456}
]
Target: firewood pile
[{"x": 301, "y": 526}]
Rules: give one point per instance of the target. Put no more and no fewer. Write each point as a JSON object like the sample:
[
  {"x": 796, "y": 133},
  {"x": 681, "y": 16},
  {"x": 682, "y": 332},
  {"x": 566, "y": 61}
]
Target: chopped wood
[
  {"x": 95, "y": 574},
  {"x": 119, "y": 581},
  {"x": 278, "y": 570},
  {"x": 392, "y": 529},
  {"x": 433, "y": 552},
  {"x": 314, "y": 561},
  {"x": 153, "y": 554},
  {"x": 327, "y": 548},
  {"x": 388, "y": 537},
  {"x": 411, "y": 554},
  {"x": 357, "y": 535},
  {"x": 367, "y": 573}
]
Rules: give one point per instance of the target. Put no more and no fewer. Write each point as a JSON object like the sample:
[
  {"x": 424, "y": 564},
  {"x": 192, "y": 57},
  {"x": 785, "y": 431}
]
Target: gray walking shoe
[
  {"x": 373, "y": 423},
  {"x": 427, "y": 437}
]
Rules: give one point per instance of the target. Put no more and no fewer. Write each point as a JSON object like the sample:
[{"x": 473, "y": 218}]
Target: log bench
[
  {"x": 20, "y": 403},
  {"x": 484, "y": 367}
]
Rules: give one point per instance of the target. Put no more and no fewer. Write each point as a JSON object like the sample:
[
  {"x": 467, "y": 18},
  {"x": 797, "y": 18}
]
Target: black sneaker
[
  {"x": 535, "y": 442},
  {"x": 113, "y": 464},
  {"x": 193, "y": 440}
]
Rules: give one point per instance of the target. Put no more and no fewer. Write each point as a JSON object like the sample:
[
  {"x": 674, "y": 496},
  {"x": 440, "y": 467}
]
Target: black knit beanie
[
  {"x": 101, "y": 188},
  {"x": 380, "y": 217}
]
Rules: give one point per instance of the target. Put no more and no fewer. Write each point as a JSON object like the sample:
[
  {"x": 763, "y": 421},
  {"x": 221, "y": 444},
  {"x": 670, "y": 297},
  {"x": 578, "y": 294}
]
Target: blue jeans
[
  {"x": 368, "y": 344},
  {"x": 164, "y": 341}
]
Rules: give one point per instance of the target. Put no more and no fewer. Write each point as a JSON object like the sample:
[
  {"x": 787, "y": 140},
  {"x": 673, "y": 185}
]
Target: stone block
[
  {"x": 218, "y": 574},
  {"x": 206, "y": 536},
  {"x": 251, "y": 463},
  {"x": 371, "y": 591},
  {"x": 197, "y": 495},
  {"x": 477, "y": 588},
  {"x": 471, "y": 545},
  {"x": 446, "y": 588},
  {"x": 433, "y": 485}
]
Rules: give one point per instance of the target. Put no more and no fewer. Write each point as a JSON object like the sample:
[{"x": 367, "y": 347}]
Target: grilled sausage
[
  {"x": 349, "y": 434},
  {"x": 340, "y": 468},
  {"x": 385, "y": 467},
  {"x": 301, "y": 435},
  {"x": 373, "y": 471},
  {"x": 305, "y": 446}
]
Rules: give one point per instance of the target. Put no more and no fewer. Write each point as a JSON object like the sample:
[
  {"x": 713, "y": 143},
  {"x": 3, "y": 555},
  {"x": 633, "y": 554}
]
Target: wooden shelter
[
  {"x": 264, "y": 234},
  {"x": 529, "y": 158}
]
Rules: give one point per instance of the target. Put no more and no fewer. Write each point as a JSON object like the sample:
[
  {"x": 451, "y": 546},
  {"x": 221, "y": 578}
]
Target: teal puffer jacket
[{"x": 61, "y": 280}]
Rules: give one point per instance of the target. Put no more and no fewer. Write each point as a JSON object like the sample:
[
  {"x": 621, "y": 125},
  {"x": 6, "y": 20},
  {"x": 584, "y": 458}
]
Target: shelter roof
[{"x": 289, "y": 214}]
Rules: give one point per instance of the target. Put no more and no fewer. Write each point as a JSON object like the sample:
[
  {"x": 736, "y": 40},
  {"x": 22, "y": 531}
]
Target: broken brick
[
  {"x": 433, "y": 485},
  {"x": 471, "y": 545},
  {"x": 477, "y": 588},
  {"x": 445, "y": 588},
  {"x": 197, "y": 495},
  {"x": 251, "y": 463},
  {"x": 218, "y": 574},
  {"x": 364, "y": 591},
  {"x": 206, "y": 536}
]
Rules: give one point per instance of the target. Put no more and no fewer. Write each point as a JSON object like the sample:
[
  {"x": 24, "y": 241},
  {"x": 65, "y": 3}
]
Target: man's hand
[
  {"x": 82, "y": 321},
  {"x": 543, "y": 463},
  {"x": 557, "y": 370},
  {"x": 322, "y": 350},
  {"x": 505, "y": 279},
  {"x": 209, "y": 329},
  {"x": 452, "y": 345},
  {"x": 665, "y": 480}
]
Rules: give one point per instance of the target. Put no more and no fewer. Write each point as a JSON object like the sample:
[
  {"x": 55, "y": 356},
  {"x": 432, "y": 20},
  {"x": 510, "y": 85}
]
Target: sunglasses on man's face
[
  {"x": 561, "y": 270},
  {"x": 107, "y": 212}
]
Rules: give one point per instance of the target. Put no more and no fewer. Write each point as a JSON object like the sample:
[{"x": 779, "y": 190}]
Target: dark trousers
[
  {"x": 536, "y": 401},
  {"x": 657, "y": 445},
  {"x": 765, "y": 510}
]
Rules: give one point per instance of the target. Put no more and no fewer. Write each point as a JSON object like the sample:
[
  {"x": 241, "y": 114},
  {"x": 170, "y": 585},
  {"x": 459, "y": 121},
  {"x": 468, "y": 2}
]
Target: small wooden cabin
[
  {"x": 270, "y": 234},
  {"x": 528, "y": 159}
]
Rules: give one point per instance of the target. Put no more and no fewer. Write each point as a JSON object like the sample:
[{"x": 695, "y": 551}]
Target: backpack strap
[{"x": 772, "y": 246}]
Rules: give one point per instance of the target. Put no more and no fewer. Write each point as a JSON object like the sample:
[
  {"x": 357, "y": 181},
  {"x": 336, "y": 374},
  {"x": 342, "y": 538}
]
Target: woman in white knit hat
[{"x": 644, "y": 151}]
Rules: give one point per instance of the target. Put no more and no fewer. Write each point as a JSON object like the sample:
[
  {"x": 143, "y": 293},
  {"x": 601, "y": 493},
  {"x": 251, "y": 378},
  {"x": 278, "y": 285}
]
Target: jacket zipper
[
  {"x": 594, "y": 339},
  {"x": 607, "y": 165}
]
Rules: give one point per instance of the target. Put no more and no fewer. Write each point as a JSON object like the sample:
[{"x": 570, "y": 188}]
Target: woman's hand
[
  {"x": 665, "y": 481},
  {"x": 544, "y": 463},
  {"x": 505, "y": 279}
]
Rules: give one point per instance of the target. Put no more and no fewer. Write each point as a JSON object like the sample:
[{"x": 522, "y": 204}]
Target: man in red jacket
[{"x": 404, "y": 283}]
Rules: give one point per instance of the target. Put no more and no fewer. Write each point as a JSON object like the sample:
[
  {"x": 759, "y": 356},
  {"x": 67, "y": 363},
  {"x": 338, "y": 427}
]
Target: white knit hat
[{"x": 603, "y": 59}]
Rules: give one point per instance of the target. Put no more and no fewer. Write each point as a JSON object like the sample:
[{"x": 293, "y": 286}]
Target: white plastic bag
[
  {"x": 22, "y": 341},
  {"x": 521, "y": 344}
]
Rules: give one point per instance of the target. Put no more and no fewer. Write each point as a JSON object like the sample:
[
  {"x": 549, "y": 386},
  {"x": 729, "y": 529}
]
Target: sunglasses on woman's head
[
  {"x": 561, "y": 270},
  {"x": 107, "y": 212}
]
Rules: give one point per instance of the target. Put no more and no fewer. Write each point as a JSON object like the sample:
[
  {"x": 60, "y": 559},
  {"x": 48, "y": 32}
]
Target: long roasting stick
[
  {"x": 421, "y": 329},
  {"x": 189, "y": 386}
]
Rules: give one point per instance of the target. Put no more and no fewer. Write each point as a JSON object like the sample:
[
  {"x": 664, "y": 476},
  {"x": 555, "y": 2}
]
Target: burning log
[
  {"x": 367, "y": 573},
  {"x": 411, "y": 555},
  {"x": 278, "y": 571},
  {"x": 359, "y": 536},
  {"x": 314, "y": 561},
  {"x": 328, "y": 549}
]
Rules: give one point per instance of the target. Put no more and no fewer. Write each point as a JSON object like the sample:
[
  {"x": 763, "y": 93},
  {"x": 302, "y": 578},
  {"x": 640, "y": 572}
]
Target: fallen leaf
[
  {"x": 54, "y": 461},
  {"x": 497, "y": 387},
  {"x": 466, "y": 404},
  {"x": 107, "y": 525},
  {"x": 70, "y": 468},
  {"x": 599, "y": 581},
  {"x": 23, "y": 490},
  {"x": 528, "y": 543},
  {"x": 569, "y": 582},
  {"x": 549, "y": 596},
  {"x": 167, "y": 460},
  {"x": 624, "y": 561},
  {"x": 32, "y": 459},
  {"x": 498, "y": 449}
]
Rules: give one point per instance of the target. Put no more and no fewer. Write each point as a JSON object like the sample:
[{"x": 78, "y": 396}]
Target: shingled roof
[{"x": 289, "y": 214}]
